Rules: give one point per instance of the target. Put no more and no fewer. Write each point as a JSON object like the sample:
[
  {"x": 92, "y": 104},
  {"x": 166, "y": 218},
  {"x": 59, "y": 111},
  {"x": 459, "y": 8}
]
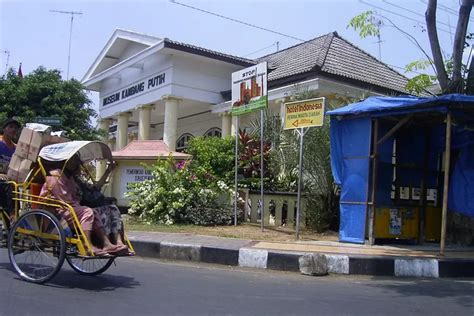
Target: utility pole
[
  {"x": 72, "y": 13},
  {"x": 6, "y": 52}
]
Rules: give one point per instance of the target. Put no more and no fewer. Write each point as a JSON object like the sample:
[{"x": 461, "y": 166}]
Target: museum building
[{"x": 155, "y": 88}]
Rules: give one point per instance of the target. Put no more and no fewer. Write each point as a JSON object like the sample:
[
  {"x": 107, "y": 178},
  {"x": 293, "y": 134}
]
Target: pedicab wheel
[
  {"x": 89, "y": 266},
  {"x": 36, "y": 246}
]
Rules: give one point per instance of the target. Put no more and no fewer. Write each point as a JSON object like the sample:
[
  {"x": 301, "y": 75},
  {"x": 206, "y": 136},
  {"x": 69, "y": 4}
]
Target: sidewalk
[{"x": 342, "y": 258}]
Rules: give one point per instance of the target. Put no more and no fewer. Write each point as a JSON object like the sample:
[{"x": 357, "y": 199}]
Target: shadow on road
[
  {"x": 100, "y": 283},
  {"x": 72, "y": 280},
  {"x": 460, "y": 290}
]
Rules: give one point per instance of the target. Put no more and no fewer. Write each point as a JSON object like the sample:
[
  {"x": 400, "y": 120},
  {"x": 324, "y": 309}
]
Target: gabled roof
[
  {"x": 332, "y": 55},
  {"x": 120, "y": 39},
  {"x": 113, "y": 49}
]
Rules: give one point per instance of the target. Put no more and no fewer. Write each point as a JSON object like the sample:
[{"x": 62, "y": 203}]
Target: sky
[{"x": 35, "y": 36}]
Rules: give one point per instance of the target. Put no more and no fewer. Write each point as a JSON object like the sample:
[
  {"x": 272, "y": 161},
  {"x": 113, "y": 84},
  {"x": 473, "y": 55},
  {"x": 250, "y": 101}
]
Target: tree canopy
[
  {"x": 43, "y": 93},
  {"x": 451, "y": 74}
]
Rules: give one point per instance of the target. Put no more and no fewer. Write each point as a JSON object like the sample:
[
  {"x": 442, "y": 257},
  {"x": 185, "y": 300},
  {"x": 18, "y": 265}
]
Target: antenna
[
  {"x": 72, "y": 13},
  {"x": 378, "y": 24},
  {"x": 6, "y": 52}
]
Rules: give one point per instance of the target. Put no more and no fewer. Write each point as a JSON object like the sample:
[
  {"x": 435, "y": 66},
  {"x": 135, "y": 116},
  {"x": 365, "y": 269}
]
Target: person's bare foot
[{"x": 98, "y": 251}]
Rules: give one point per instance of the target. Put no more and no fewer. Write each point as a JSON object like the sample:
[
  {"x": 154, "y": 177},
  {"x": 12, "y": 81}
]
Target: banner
[{"x": 249, "y": 89}]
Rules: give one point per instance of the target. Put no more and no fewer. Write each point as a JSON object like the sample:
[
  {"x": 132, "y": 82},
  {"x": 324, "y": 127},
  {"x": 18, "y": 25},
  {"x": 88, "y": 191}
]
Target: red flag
[{"x": 20, "y": 73}]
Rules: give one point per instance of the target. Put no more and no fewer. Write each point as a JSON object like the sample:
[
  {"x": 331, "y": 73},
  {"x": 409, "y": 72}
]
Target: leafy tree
[
  {"x": 44, "y": 93},
  {"x": 451, "y": 74}
]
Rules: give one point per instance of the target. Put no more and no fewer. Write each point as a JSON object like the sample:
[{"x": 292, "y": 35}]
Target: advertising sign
[
  {"x": 306, "y": 113},
  {"x": 249, "y": 89}
]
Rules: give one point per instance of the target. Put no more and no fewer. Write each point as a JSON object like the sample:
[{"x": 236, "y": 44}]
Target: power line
[
  {"x": 237, "y": 21},
  {"x": 416, "y": 13},
  {"x": 72, "y": 13},
  {"x": 261, "y": 28},
  {"x": 447, "y": 9},
  {"x": 262, "y": 49},
  {"x": 400, "y": 15}
]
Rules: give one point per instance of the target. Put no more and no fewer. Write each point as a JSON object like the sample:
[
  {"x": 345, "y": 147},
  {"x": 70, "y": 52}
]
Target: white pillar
[
  {"x": 171, "y": 121},
  {"x": 104, "y": 125},
  {"x": 111, "y": 143},
  {"x": 226, "y": 125},
  {"x": 122, "y": 130},
  {"x": 144, "y": 114}
]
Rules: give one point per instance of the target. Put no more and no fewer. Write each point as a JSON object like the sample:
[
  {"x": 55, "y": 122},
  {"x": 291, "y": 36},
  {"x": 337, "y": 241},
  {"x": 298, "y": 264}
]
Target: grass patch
[{"x": 244, "y": 231}]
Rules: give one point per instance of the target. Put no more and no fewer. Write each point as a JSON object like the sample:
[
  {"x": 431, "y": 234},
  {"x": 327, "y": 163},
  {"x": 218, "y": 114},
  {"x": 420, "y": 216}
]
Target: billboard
[
  {"x": 249, "y": 89},
  {"x": 306, "y": 113}
]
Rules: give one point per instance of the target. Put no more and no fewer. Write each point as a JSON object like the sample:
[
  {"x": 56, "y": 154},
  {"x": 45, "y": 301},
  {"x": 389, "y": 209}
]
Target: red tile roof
[{"x": 147, "y": 150}]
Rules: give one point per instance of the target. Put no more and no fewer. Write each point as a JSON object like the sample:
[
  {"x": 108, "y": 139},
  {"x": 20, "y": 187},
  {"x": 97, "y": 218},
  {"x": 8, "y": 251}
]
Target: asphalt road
[{"x": 137, "y": 286}]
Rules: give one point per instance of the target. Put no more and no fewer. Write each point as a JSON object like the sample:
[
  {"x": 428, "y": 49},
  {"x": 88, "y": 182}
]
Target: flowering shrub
[{"x": 181, "y": 192}]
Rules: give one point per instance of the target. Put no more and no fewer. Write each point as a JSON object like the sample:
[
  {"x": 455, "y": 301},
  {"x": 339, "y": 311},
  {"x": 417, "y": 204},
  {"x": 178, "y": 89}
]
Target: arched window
[
  {"x": 182, "y": 142},
  {"x": 213, "y": 132}
]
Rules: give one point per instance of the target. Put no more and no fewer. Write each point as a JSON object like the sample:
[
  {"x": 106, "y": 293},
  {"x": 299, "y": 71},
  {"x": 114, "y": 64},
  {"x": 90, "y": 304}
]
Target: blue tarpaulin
[{"x": 419, "y": 148}]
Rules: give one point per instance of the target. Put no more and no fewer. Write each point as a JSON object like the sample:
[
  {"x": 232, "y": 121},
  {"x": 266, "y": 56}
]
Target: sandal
[{"x": 118, "y": 250}]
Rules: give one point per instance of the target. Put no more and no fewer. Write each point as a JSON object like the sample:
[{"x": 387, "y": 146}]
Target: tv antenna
[
  {"x": 6, "y": 52},
  {"x": 72, "y": 13}
]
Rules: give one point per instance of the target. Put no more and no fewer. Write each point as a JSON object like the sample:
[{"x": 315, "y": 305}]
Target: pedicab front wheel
[{"x": 36, "y": 246}]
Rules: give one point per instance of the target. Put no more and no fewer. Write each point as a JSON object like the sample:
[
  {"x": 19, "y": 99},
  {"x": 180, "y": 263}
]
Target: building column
[
  {"x": 104, "y": 125},
  {"x": 226, "y": 126},
  {"x": 171, "y": 121},
  {"x": 122, "y": 130},
  {"x": 144, "y": 115},
  {"x": 111, "y": 143}
]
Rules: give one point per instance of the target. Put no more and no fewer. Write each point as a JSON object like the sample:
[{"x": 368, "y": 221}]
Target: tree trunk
[
  {"x": 470, "y": 78},
  {"x": 430, "y": 17},
  {"x": 456, "y": 84}
]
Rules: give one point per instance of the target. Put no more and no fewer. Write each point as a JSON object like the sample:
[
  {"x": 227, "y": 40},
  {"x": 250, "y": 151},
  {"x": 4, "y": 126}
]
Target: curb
[{"x": 288, "y": 261}]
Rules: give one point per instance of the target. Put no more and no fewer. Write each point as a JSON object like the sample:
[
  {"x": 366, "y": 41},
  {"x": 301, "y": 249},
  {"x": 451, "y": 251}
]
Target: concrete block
[
  {"x": 338, "y": 264},
  {"x": 220, "y": 256},
  {"x": 416, "y": 268},
  {"x": 313, "y": 264},
  {"x": 146, "y": 248},
  {"x": 283, "y": 261},
  {"x": 371, "y": 266},
  {"x": 184, "y": 252},
  {"x": 253, "y": 258}
]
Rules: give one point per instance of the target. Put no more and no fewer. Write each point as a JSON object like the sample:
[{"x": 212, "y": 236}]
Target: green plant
[
  {"x": 182, "y": 193},
  {"x": 214, "y": 155}
]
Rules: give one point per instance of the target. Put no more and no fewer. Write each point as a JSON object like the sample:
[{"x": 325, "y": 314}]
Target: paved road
[{"x": 148, "y": 287}]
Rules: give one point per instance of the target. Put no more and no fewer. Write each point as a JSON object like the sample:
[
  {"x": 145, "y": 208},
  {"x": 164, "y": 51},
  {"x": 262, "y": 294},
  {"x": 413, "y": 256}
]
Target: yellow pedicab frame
[{"x": 88, "y": 151}]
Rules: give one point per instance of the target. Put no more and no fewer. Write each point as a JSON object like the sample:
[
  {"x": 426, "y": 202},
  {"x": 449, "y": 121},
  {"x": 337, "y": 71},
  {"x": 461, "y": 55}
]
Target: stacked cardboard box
[{"x": 32, "y": 138}]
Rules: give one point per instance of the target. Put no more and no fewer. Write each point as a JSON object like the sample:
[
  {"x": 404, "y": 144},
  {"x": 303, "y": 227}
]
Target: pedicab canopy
[
  {"x": 87, "y": 150},
  {"x": 409, "y": 134}
]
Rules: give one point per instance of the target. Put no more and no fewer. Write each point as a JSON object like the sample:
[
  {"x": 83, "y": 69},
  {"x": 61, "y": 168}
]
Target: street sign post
[
  {"x": 249, "y": 93},
  {"x": 302, "y": 115},
  {"x": 53, "y": 121}
]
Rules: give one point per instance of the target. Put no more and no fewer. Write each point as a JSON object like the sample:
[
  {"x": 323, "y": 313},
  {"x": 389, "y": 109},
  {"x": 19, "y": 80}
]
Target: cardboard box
[
  {"x": 30, "y": 143},
  {"x": 53, "y": 139},
  {"x": 19, "y": 168}
]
